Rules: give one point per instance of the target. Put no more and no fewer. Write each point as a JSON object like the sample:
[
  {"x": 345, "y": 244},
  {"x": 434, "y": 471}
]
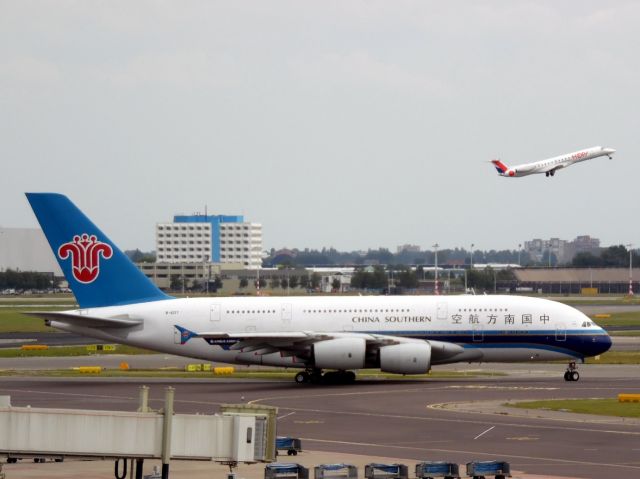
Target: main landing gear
[
  {"x": 572, "y": 374},
  {"x": 315, "y": 376},
  {"x": 549, "y": 173}
]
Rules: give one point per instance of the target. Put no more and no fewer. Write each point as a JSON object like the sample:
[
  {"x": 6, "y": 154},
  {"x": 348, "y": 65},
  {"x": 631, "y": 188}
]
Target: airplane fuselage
[
  {"x": 551, "y": 165},
  {"x": 487, "y": 328}
]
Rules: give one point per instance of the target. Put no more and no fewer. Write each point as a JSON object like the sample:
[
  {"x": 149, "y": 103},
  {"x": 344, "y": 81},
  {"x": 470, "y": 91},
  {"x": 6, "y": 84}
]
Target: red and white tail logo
[{"x": 85, "y": 252}]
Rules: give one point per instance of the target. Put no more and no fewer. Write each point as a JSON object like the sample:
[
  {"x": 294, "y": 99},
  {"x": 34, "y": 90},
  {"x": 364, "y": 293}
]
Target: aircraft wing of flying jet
[
  {"x": 551, "y": 165},
  {"x": 326, "y": 337}
]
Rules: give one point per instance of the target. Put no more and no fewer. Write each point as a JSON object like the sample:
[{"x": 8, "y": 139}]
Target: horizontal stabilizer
[{"x": 74, "y": 319}]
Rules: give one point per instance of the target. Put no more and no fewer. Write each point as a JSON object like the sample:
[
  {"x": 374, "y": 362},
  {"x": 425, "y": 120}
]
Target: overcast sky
[{"x": 352, "y": 124}]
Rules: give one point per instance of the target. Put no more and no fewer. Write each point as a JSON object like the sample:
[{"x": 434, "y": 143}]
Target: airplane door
[
  {"x": 285, "y": 312},
  {"x": 442, "y": 311},
  {"x": 478, "y": 333},
  {"x": 177, "y": 336},
  {"x": 214, "y": 312},
  {"x": 561, "y": 332}
]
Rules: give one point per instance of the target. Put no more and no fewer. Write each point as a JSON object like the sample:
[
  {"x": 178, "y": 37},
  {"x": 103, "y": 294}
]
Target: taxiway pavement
[{"x": 401, "y": 419}]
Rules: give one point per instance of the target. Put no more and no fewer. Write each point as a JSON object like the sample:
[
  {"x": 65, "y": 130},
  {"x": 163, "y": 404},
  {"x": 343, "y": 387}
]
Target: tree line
[{"x": 11, "y": 279}]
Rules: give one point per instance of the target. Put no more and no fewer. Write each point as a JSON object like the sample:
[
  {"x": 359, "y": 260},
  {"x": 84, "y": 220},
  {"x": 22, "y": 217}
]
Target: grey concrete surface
[{"x": 399, "y": 419}]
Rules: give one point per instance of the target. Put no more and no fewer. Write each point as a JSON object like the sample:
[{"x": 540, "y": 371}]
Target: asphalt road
[{"x": 399, "y": 418}]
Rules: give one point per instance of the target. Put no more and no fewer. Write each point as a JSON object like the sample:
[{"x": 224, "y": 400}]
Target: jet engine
[
  {"x": 340, "y": 353},
  {"x": 406, "y": 358},
  {"x": 512, "y": 172}
]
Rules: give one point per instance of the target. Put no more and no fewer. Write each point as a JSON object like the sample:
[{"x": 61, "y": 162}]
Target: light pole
[
  {"x": 435, "y": 247},
  {"x": 471, "y": 262},
  {"x": 630, "y": 269},
  {"x": 519, "y": 250}
]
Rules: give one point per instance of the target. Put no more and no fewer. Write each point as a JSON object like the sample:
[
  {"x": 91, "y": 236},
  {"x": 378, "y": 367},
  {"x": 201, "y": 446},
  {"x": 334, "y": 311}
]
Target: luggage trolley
[
  {"x": 335, "y": 471},
  {"x": 481, "y": 469},
  {"x": 290, "y": 444},
  {"x": 285, "y": 470},
  {"x": 433, "y": 469},
  {"x": 386, "y": 471}
]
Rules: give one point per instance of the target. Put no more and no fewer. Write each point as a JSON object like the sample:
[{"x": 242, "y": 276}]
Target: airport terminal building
[{"x": 26, "y": 249}]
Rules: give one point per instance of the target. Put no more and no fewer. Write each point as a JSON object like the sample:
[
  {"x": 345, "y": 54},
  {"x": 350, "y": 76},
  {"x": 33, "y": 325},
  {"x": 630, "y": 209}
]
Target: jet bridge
[{"x": 242, "y": 435}]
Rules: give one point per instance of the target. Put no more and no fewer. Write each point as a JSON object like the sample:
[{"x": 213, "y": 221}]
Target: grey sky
[{"x": 352, "y": 124}]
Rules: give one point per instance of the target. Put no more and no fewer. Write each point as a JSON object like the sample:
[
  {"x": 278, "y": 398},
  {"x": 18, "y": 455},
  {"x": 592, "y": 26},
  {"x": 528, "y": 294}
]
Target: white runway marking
[
  {"x": 483, "y": 433},
  {"x": 286, "y": 415}
]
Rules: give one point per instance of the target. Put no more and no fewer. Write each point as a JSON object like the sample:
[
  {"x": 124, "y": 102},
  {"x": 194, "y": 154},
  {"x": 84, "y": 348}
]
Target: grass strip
[
  {"x": 65, "y": 351},
  {"x": 617, "y": 357},
  {"x": 261, "y": 374},
  {"x": 601, "y": 407},
  {"x": 629, "y": 318}
]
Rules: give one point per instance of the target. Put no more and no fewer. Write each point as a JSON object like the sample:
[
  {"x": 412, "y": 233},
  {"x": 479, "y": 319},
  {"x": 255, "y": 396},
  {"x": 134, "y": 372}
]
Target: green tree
[
  {"x": 274, "y": 282},
  {"x": 244, "y": 282},
  {"x": 294, "y": 281},
  {"x": 408, "y": 279},
  {"x": 176, "y": 282},
  {"x": 335, "y": 284},
  {"x": 304, "y": 281},
  {"x": 284, "y": 283},
  {"x": 315, "y": 280}
]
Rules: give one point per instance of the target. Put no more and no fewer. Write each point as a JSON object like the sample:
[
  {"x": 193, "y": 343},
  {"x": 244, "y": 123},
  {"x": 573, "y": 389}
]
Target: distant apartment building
[
  {"x": 209, "y": 239},
  {"x": 563, "y": 250},
  {"x": 409, "y": 248}
]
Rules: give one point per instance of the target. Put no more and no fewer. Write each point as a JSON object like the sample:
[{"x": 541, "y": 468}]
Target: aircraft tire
[
  {"x": 575, "y": 375},
  {"x": 566, "y": 376},
  {"x": 302, "y": 377}
]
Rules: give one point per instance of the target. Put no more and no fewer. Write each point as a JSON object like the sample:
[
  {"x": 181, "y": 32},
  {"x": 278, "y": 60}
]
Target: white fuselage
[
  {"x": 493, "y": 328},
  {"x": 550, "y": 165}
]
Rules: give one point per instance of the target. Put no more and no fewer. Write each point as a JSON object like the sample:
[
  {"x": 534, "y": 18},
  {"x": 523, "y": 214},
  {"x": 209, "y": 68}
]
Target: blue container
[
  {"x": 483, "y": 468},
  {"x": 437, "y": 469}
]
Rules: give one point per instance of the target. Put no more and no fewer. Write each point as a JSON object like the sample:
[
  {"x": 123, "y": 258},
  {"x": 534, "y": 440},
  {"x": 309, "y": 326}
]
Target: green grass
[
  {"x": 278, "y": 374},
  {"x": 12, "y": 321},
  {"x": 602, "y": 407},
  {"x": 617, "y": 357},
  {"x": 631, "y": 318},
  {"x": 59, "y": 351}
]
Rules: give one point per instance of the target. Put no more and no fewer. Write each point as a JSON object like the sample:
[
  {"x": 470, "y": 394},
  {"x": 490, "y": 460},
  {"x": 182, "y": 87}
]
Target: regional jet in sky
[
  {"x": 551, "y": 165},
  {"x": 327, "y": 338}
]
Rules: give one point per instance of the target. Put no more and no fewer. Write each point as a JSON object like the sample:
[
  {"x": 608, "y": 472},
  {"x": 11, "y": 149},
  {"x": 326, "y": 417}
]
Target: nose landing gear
[{"x": 572, "y": 374}]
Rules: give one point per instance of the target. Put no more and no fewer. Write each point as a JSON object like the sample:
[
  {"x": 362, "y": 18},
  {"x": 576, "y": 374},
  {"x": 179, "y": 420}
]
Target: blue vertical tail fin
[{"x": 99, "y": 274}]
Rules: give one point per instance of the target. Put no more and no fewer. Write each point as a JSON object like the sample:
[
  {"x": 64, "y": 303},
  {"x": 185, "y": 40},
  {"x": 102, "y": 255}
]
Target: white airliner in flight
[
  {"x": 397, "y": 334},
  {"x": 551, "y": 165}
]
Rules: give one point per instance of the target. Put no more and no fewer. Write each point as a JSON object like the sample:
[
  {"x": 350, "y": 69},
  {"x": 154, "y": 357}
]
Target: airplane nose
[{"x": 603, "y": 343}]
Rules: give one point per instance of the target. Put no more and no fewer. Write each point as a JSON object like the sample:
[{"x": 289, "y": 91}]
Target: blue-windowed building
[{"x": 210, "y": 238}]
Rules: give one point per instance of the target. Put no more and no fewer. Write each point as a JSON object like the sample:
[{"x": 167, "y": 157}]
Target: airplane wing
[
  {"x": 300, "y": 342},
  {"x": 75, "y": 319}
]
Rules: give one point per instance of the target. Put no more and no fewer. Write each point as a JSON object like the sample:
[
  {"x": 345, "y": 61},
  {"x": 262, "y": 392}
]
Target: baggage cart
[
  {"x": 386, "y": 471},
  {"x": 335, "y": 471},
  {"x": 482, "y": 469},
  {"x": 285, "y": 470},
  {"x": 290, "y": 444},
  {"x": 433, "y": 469}
]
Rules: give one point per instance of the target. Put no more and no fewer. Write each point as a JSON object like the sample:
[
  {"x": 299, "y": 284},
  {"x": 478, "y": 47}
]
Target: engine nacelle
[
  {"x": 406, "y": 358},
  {"x": 341, "y": 353}
]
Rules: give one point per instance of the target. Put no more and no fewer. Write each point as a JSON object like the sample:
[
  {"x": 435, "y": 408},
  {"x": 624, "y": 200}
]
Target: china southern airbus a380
[
  {"x": 397, "y": 334},
  {"x": 551, "y": 165}
]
